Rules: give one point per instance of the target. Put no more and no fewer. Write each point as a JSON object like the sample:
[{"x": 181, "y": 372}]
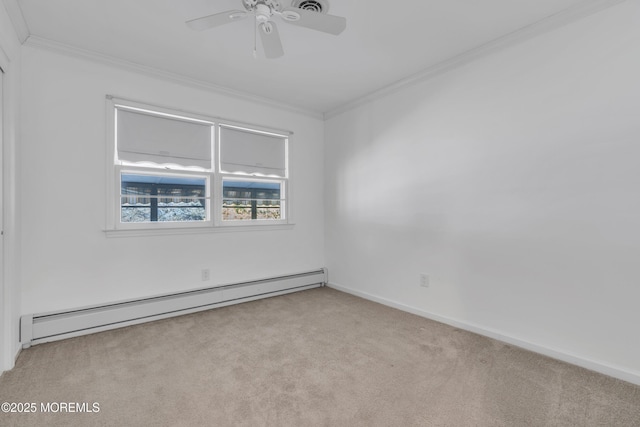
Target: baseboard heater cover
[{"x": 45, "y": 327}]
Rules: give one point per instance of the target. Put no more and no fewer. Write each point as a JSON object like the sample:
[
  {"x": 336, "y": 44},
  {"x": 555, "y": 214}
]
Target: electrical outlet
[
  {"x": 205, "y": 275},
  {"x": 424, "y": 280}
]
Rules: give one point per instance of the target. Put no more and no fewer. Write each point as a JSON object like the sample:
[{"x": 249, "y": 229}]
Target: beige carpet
[{"x": 314, "y": 358}]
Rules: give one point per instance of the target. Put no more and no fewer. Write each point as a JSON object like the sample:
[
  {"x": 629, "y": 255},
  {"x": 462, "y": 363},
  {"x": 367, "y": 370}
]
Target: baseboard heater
[{"x": 45, "y": 327}]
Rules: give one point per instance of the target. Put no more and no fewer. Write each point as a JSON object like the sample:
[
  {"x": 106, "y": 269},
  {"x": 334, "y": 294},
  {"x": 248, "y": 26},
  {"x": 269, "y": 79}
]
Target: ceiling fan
[{"x": 304, "y": 13}]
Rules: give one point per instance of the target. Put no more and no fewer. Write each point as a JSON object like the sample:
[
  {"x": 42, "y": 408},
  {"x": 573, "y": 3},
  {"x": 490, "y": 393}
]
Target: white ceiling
[{"x": 385, "y": 41}]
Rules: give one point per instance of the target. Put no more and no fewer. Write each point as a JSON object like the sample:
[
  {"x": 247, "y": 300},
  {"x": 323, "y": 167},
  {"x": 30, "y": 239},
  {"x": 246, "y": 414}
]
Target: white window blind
[
  {"x": 252, "y": 153},
  {"x": 162, "y": 139}
]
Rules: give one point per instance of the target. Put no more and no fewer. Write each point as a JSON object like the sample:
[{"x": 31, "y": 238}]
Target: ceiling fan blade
[
  {"x": 216, "y": 20},
  {"x": 316, "y": 21},
  {"x": 271, "y": 40}
]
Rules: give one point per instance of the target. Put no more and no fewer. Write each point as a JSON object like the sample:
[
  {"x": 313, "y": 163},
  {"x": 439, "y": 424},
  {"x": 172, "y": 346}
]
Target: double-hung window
[
  {"x": 170, "y": 169},
  {"x": 253, "y": 170}
]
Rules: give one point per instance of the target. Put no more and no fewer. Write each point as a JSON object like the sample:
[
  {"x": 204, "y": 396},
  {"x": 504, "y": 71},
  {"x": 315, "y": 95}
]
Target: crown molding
[
  {"x": 549, "y": 23},
  {"x": 46, "y": 44},
  {"x": 17, "y": 19}
]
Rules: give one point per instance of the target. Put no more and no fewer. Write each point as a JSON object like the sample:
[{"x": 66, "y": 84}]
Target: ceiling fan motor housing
[{"x": 256, "y": 5}]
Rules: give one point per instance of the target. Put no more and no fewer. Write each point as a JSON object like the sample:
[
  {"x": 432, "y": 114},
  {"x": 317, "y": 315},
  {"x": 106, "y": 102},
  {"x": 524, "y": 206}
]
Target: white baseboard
[
  {"x": 597, "y": 366},
  {"x": 15, "y": 357},
  {"x": 11, "y": 363}
]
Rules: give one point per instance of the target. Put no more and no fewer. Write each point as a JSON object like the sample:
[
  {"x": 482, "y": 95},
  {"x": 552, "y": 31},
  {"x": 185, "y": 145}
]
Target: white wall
[
  {"x": 10, "y": 280},
  {"x": 512, "y": 181},
  {"x": 67, "y": 259}
]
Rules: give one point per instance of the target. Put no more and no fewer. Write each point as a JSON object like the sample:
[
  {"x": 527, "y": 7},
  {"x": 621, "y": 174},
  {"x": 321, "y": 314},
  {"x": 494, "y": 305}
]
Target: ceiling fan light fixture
[{"x": 263, "y": 12}]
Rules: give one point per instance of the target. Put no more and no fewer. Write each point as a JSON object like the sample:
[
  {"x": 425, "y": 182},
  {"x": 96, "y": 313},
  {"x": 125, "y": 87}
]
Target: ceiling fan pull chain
[{"x": 255, "y": 37}]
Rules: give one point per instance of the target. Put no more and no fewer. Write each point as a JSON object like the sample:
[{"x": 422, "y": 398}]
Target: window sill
[{"x": 196, "y": 230}]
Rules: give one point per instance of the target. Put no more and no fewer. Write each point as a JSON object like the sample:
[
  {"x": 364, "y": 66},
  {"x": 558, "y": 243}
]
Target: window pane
[
  {"x": 251, "y": 200},
  {"x": 155, "y": 198},
  {"x": 135, "y": 213}
]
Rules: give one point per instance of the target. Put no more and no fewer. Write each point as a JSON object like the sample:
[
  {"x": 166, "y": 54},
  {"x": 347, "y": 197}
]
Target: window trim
[{"x": 214, "y": 176}]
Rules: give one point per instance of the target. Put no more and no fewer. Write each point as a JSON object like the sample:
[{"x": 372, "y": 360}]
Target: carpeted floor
[{"x": 313, "y": 358}]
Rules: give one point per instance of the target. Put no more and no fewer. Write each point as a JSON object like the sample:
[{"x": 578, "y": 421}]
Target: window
[
  {"x": 169, "y": 169},
  {"x": 254, "y": 174}
]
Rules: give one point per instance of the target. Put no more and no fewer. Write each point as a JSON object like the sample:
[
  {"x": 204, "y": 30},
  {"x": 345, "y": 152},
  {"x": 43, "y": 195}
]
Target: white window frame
[
  {"x": 221, "y": 176},
  {"x": 213, "y": 177}
]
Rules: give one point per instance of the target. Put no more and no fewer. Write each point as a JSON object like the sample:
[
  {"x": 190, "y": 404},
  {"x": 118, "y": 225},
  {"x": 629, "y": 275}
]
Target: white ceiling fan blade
[
  {"x": 316, "y": 21},
  {"x": 271, "y": 40},
  {"x": 216, "y": 20}
]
